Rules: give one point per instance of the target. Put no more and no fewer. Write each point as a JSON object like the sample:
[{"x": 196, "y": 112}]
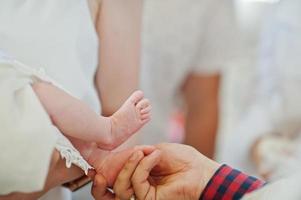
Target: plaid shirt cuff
[{"x": 228, "y": 183}]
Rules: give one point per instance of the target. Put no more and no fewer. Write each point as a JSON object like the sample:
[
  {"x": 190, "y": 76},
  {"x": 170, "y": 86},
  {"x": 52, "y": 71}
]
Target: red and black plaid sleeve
[{"x": 229, "y": 184}]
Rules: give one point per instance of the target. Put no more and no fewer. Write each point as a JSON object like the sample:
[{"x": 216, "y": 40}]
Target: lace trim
[{"x": 71, "y": 155}]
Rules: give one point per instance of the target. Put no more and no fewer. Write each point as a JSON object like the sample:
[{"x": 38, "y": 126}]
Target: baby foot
[{"x": 132, "y": 115}]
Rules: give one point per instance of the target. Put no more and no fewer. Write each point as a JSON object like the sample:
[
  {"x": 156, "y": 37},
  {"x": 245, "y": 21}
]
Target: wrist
[{"x": 206, "y": 168}]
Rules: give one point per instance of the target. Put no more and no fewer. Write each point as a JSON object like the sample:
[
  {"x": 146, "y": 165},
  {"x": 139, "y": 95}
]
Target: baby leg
[
  {"x": 74, "y": 118},
  {"x": 126, "y": 121},
  {"x": 71, "y": 116}
]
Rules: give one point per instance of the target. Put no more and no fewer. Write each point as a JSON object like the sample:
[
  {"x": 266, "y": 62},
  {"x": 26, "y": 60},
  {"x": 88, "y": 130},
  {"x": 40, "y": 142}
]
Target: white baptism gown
[{"x": 53, "y": 38}]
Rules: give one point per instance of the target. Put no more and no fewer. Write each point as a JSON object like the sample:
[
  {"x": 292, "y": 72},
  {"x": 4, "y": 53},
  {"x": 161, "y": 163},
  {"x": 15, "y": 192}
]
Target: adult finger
[
  {"x": 146, "y": 149},
  {"x": 122, "y": 186},
  {"x": 114, "y": 162},
  {"x": 139, "y": 180},
  {"x": 99, "y": 189}
]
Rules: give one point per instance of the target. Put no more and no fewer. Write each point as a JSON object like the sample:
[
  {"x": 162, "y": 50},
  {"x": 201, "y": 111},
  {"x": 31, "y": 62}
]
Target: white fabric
[
  {"x": 71, "y": 154},
  {"x": 280, "y": 62},
  {"x": 276, "y": 108},
  {"x": 287, "y": 188},
  {"x": 59, "y": 36},
  {"x": 24, "y": 142},
  {"x": 235, "y": 150},
  {"x": 182, "y": 37},
  {"x": 280, "y": 155},
  {"x": 26, "y": 127}
]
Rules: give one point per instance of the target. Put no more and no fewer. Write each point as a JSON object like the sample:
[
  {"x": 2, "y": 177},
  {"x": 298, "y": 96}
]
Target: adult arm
[
  {"x": 58, "y": 174},
  {"x": 218, "y": 49},
  {"x": 201, "y": 94},
  {"x": 118, "y": 26}
]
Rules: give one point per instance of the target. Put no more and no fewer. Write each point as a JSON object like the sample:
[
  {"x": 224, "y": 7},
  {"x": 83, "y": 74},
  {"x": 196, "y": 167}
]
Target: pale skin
[
  {"x": 118, "y": 27},
  {"x": 121, "y": 41},
  {"x": 172, "y": 171},
  {"x": 75, "y": 119},
  {"x": 105, "y": 162}
]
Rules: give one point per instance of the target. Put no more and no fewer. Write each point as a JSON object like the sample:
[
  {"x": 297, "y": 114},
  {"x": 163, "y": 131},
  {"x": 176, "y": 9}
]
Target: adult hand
[
  {"x": 109, "y": 164},
  {"x": 173, "y": 171}
]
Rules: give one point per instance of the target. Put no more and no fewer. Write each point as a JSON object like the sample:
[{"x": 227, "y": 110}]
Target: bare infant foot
[{"x": 132, "y": 115}]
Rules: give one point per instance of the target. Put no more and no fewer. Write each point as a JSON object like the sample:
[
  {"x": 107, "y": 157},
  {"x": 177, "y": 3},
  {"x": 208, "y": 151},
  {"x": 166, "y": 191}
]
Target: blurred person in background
[
  {"x": 278, "y": 152},
  {"x": 185, "y": 47},
  {"x": 270, "y": 131}
]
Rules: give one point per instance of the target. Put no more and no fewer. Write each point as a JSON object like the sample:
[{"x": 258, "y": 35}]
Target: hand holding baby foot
[
  {"x": 109, "y": 163},
  {"x": 132, "y": 115}
]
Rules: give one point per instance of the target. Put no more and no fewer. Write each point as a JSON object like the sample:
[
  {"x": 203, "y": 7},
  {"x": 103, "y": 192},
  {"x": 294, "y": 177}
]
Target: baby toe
[
  {"x": 145, "y": 121},
  {"x": 143, "y": 104},
  {"x": 136, "y": 97},
  {"x": 146, "y": 110},
  {"x": 145, "y": 116}
]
